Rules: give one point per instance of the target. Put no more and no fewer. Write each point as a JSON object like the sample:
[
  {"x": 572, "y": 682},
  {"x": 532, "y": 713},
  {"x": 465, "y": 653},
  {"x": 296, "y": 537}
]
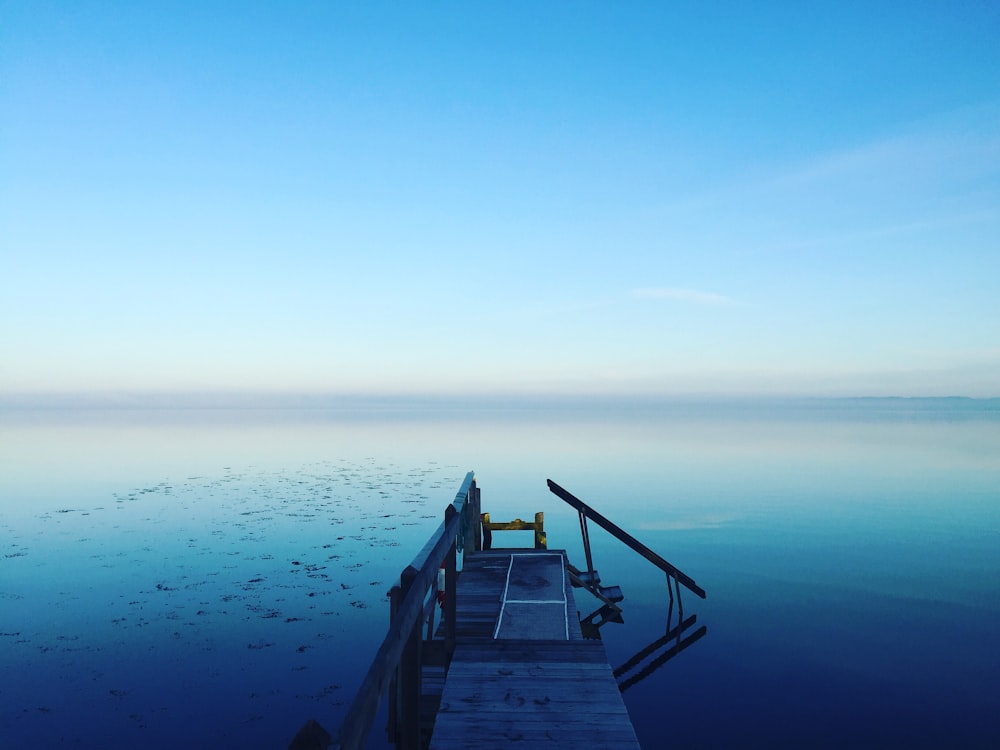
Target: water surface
[{"x": 176, "y": 577}]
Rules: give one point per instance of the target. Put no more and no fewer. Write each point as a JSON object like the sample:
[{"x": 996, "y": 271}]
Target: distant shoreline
[{"x": 467, "y": 404}]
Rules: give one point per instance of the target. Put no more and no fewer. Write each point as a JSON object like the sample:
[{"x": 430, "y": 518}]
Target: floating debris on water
[{"x": 171, "y": 597}]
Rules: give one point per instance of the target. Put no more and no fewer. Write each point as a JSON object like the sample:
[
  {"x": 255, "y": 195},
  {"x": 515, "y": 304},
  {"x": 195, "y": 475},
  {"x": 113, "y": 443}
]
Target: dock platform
[
  {"x": 522, "y": 671},
  {"x": 486, "y": 647}
]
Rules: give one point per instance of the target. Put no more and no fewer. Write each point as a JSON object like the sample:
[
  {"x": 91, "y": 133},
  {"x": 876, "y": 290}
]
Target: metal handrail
[{"x": 623, "y": 536}]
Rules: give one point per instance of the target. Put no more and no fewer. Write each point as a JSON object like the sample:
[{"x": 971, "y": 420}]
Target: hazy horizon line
[{"x": 208, "y": 399}]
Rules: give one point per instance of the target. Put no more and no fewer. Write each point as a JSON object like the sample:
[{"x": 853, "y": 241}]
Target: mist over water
[{"x": 193, "y": 576}]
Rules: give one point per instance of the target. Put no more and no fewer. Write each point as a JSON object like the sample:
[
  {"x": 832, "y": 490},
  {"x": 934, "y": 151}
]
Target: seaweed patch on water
[{"x": 175, "y": 596}]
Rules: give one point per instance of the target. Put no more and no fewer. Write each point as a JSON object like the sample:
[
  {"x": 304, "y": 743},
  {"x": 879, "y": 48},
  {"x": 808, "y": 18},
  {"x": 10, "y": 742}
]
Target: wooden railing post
[
  {"x": 392, "y": 725},
  {"x": 477, "y": 521},
  {"x": 450, "y": 614},
  {"x": 409, "y": 676}
]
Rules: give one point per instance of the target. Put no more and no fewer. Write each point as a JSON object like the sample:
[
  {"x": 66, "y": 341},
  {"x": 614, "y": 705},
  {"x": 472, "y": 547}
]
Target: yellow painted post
[
  {"x": 487, "y": 531},
  {"x": 540, "y": 540}
]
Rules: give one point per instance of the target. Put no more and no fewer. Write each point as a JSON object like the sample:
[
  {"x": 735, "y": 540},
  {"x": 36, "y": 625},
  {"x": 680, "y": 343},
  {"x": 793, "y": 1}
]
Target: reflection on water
[
  {"x": 672, "y": 643},
  {"x": 186, "y": 578}
]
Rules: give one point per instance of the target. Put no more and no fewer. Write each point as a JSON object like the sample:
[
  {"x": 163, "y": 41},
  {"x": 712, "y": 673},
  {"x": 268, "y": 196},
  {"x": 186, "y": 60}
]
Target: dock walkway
[
  {"x": 522, "y": 671},
  {"x": 507, "y": 661}
]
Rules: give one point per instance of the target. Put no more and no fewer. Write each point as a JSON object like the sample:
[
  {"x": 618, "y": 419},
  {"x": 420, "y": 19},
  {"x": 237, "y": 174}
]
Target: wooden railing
[{"x": 396, "y": 668}]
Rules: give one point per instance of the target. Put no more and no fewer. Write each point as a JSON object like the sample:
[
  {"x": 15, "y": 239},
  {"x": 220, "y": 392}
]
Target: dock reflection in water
[{"x": 673, "y": 641}]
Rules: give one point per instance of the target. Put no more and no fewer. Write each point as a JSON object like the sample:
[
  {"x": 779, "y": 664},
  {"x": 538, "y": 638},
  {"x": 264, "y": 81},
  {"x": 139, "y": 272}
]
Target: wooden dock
[
  {"x": 522, "y": 671},
  {"x": 505, "y": 661}
]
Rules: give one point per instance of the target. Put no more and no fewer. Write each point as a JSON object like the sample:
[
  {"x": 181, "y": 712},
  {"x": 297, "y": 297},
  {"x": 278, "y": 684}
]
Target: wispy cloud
[
  {"x": 695, "y": 296},
  {"x": 933, "y": 173}
]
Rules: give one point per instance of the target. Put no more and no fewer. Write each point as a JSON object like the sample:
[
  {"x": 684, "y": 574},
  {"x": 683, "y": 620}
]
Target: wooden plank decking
[{"x": 522, "y": 671}]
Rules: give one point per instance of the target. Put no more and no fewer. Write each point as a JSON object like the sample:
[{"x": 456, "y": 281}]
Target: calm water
[{"x": 189, "y": 578}]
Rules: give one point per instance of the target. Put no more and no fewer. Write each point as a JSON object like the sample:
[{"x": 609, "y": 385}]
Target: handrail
[
  {"x": 361, "y": 714},
  {"x": 417, "y": 578},
  {"x": 626, "y": 538},
  {"x": 461, "y": 498}
]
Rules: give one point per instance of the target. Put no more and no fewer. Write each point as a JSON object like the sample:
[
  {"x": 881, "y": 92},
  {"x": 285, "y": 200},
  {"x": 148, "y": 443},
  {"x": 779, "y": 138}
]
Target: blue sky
[{"x": 641, "y": 198}]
